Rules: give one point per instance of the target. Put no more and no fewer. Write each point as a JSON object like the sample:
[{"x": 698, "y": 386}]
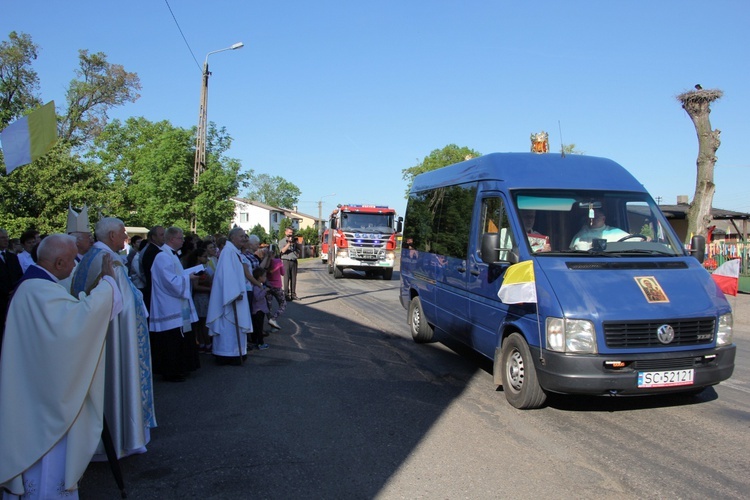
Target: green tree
[
  {"x": 101, "y": 86},
  {"x": 438, "y": 158},
  {"x": 570, "y": 149},
  {"x": 19, "y": 83},
  {"x": 150, "y": 165},
  {"x": 40, "y": 193},
  {"x": 274, "y": 191},
  {"x": 309, "y": 235},
  {"x": 261, "y": 233}
]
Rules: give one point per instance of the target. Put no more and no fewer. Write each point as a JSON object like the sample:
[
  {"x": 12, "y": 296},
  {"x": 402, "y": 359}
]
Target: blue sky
[{"x": 340, "y": 96}]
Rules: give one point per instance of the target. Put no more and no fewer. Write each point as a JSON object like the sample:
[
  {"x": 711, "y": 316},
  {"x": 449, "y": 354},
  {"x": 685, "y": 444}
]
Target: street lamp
[{"x": 200, "y": 140}]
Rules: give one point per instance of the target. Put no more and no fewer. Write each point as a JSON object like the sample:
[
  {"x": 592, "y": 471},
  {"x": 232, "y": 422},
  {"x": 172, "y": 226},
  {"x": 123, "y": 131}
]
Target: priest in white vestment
[
  {"x": 173, "y": 311},
  {"x": 128, "y": 395},
  {"x": 228, "y": 309},
  {"x": 52, "y": 376}
]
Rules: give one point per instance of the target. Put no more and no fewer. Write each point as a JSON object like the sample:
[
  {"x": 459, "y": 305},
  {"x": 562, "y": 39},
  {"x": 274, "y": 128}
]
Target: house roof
[
  {"x": 260, "y": 205},
  {"x": 680, "y": 212},
  {"x": 287, "y": 212}
]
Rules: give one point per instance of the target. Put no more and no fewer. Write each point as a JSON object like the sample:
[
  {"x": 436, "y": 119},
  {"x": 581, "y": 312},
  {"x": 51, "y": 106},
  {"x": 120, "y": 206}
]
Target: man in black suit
[
  {"x": 10, "y": 273},
  {"x": 155, "y": 242}
]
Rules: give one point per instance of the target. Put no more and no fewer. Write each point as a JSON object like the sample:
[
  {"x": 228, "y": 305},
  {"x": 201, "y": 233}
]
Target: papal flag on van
[
  {"x": 30, "y": 137},
  {"x": 519, "y": 286}
]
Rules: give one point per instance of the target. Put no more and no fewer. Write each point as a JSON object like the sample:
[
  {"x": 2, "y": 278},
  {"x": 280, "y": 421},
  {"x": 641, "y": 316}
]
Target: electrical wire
[{"x": 183, "y": 36}]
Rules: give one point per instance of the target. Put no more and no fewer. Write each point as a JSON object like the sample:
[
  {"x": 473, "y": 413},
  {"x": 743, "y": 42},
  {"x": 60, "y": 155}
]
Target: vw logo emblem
[{"x": 665, "y": 334}]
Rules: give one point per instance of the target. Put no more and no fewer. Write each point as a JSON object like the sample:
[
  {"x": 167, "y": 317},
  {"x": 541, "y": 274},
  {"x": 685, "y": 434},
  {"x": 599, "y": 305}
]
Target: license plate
[{"x": 668, "y": 378}]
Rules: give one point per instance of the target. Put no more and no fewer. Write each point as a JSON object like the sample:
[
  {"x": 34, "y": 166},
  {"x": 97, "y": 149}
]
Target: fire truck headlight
[{"x": 725, "y": 334}]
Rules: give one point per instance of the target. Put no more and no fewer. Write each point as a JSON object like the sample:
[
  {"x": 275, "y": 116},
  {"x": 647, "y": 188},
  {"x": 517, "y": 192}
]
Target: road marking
[{"x": 735, "y": 386}]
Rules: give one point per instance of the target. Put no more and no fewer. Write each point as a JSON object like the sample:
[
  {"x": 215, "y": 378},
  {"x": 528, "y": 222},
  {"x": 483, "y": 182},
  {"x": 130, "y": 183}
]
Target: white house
[{"x": 249, "y": 213}]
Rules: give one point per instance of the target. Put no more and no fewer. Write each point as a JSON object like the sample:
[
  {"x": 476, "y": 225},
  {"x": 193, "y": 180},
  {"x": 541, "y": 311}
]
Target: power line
[{"x": 183, "y": 36}]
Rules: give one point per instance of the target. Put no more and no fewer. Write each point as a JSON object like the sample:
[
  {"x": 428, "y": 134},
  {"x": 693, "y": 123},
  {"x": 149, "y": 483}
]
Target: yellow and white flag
[
  {"x": 29, "y": 137},
  {"x": 519, "y": 286}
]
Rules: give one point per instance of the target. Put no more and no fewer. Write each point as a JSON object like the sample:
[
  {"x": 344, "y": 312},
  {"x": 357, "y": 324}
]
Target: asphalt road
[{"x": 345, "y": 405}]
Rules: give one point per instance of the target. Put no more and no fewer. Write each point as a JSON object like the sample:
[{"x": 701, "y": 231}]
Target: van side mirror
[
  {"x": 492, "y": 252},
  {"x": 490, "y": 247},
  {"x": 698, "y": 247}
]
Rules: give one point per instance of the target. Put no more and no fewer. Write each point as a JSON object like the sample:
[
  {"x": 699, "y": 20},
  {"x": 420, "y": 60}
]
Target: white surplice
[
  {"x": 229, "y": 297},
  {"x": 171, "y": 296}
]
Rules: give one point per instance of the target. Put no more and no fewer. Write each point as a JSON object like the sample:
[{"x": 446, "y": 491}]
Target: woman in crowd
[{"x": 201, "y": 292}]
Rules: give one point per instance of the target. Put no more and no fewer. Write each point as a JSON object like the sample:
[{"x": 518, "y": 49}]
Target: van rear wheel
[
  {"x": 520, "y": 383},
  {"x": 421, "y": 331}
]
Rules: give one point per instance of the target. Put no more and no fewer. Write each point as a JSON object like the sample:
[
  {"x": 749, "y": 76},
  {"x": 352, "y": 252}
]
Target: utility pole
[{"x": 200, "y": 140}]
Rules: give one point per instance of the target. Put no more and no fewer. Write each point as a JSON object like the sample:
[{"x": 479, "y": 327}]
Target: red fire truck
[{"x": 363, "y": 238}]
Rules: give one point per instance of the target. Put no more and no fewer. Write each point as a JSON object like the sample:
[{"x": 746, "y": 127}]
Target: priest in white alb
[
  {"x": 129, "y": 396},
  {"x": 52, "y": 376},
  {"x": 228, "y": 319}
]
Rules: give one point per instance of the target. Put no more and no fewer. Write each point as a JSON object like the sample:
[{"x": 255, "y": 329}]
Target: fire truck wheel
[
  {"x": 520, "y": 383},
  {"x": 388, "y": 274},
  {"x": 338, "y": 272},
  {"x": 421, "y": 331}
]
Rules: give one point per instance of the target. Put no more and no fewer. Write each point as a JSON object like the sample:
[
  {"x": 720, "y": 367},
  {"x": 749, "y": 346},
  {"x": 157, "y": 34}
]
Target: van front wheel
[
  {"x": 520, "y": 383},
  {"x": 421, "y": 331}
]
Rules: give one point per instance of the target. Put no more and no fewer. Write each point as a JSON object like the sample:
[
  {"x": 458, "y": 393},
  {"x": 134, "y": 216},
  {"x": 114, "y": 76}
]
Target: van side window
[
  {"x": 440, "y": 219},
  {"x": 494, "y": 219}
]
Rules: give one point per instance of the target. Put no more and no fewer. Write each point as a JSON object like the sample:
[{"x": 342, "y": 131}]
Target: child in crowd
[
  {"x": 213, "y": 257},
  {"x": 275, "y": 286},
  {"x": 259, "y": 308}
]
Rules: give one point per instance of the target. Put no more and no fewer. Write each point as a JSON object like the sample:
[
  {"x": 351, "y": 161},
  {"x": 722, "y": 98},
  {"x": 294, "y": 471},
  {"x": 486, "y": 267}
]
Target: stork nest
[{"x": 708, "y": 95}]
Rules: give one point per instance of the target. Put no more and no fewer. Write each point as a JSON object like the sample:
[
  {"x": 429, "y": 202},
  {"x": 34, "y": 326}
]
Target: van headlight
[
  {"x": 724, "y": 334},
  {"x": 571, "y": 335}
]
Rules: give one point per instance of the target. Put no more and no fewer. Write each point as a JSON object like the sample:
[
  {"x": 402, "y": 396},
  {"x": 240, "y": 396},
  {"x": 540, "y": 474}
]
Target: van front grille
[{"x": 638, "y": 334}]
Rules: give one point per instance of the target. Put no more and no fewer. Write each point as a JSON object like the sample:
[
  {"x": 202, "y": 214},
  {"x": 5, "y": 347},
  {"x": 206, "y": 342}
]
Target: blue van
[{"x": 620, "y": 307}]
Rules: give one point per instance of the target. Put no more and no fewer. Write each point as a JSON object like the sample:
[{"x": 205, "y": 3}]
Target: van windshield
[{"x": 598, "y": 222}]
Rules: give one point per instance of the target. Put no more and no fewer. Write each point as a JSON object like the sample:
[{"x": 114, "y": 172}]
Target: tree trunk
[{"x": 697, "y": 104}]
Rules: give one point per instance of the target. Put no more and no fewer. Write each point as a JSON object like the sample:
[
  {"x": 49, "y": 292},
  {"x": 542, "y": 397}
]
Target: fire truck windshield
[{"x": 376, "y": 223}]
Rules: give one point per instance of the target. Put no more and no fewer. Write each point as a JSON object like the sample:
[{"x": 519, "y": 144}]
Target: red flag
[{"x": 727, "y": 276}]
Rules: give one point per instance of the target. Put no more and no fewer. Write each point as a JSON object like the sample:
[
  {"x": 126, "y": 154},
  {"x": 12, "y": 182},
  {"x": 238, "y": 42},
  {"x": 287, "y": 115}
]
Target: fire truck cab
[{"x": 363, "y": 238}]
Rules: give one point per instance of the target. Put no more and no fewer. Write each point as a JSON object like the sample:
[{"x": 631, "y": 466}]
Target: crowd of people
[{"x": 90, "y": 322}]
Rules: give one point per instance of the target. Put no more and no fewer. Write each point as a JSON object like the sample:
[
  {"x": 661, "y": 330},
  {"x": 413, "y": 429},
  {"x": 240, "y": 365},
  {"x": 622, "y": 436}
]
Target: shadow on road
[{"x": 331, "y": 410}]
